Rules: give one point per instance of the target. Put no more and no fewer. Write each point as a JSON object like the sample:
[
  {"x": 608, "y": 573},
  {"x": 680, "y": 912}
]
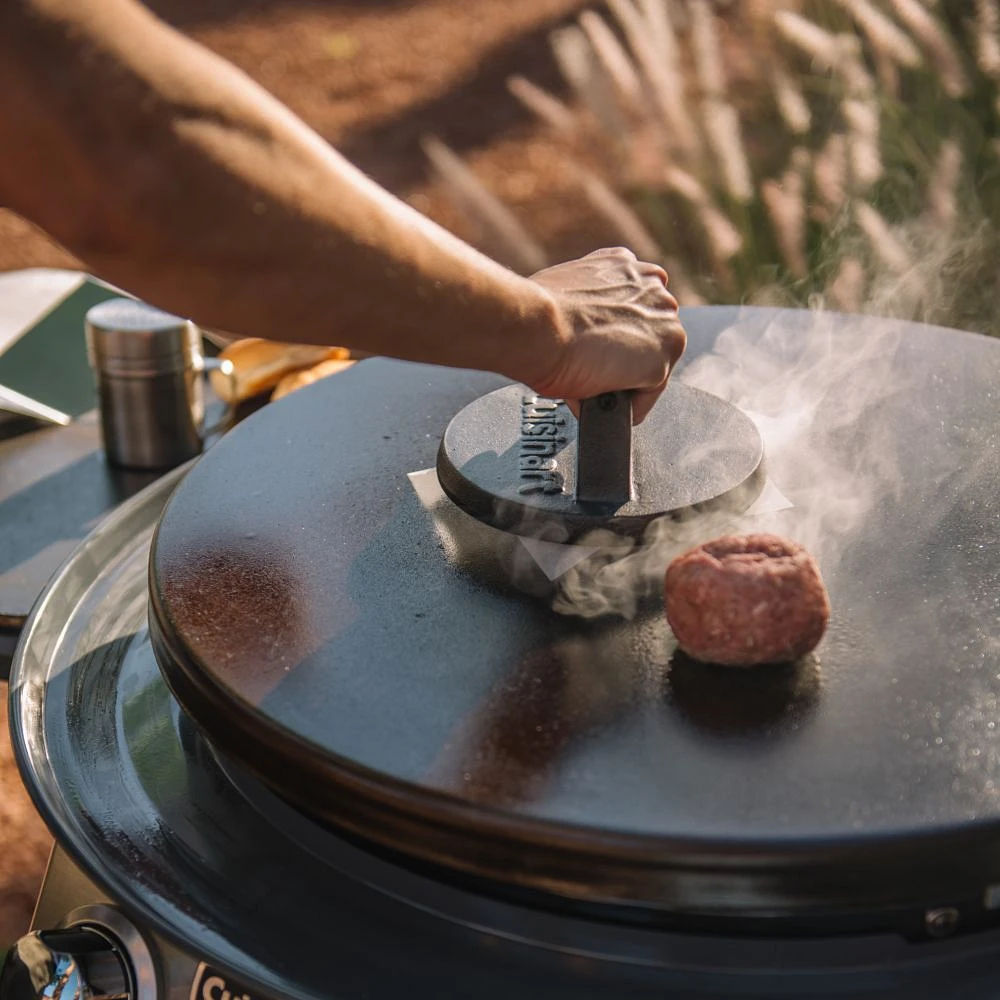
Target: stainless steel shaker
[{"x": 149, "y": 367}]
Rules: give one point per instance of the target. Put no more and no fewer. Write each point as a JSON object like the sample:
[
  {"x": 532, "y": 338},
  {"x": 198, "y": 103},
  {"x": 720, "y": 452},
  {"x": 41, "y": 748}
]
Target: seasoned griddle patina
[{"x": 317, "y": 622}]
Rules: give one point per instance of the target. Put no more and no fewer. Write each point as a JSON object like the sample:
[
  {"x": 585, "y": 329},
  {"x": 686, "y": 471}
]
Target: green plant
[{"x": 856, "y": 167}]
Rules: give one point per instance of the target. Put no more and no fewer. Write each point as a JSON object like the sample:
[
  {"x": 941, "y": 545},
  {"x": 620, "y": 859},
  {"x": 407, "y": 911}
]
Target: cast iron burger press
[{"x": 524, "y": 464}]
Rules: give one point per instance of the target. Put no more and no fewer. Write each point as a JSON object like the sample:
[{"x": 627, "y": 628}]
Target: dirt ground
[{"x": 373, "y": 77}]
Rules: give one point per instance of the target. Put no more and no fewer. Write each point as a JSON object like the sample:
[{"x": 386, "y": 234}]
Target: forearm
[{"x": 172, "y": 175}]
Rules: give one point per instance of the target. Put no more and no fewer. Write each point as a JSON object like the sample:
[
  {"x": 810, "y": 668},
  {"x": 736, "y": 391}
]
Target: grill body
[{"x": 221, "y": 884}]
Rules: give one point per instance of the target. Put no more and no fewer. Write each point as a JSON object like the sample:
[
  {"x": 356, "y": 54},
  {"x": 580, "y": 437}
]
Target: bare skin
[{"x": 174, "y": 176}]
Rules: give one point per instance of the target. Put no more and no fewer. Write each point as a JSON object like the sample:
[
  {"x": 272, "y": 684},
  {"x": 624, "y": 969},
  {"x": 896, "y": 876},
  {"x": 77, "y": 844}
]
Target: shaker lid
[{"x": 128, "y": 337}]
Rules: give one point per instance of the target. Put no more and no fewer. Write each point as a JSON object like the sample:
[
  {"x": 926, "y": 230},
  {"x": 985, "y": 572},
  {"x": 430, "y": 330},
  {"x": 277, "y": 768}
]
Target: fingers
[
  {"x": 643, "y": 401},
  {"x": 673, "y": 341},
  {"x": 625, "y": 330},
  {"x": 623, "y": 252},
  {"x": 650, "y": 270},
  {"x": 656, "y": 296},
  {"x": 653, "y": 272}
]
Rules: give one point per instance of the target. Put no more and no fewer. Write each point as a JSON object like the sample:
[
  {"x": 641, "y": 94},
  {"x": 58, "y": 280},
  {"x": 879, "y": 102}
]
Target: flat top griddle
[
  {"x": 198, "y": 852},
  {"x": 359, "y": 653}
]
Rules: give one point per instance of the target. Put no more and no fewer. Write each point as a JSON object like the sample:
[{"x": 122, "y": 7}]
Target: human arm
[{"x": 173, "y": 175}]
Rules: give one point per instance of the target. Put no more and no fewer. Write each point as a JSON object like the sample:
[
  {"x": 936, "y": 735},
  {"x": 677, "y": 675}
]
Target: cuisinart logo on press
[
  {"x": 210, "y": 984},
  {"x": 542, "y": 437}
]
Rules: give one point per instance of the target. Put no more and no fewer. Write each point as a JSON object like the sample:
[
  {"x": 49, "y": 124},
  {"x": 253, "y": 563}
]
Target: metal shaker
[{"x": 149, "y": 367}]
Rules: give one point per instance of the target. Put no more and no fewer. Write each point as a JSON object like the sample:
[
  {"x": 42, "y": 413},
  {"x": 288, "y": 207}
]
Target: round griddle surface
[
  {"x": 333, "y": 629},
  {"x": 693, "y": 450},
  {"x": 190, "y": 848}
]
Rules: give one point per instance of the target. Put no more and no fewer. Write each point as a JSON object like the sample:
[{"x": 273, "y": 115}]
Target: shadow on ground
[{"x": 473, "y": 113}]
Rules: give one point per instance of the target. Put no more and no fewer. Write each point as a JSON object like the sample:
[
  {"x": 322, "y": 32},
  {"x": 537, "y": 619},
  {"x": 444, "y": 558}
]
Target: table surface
[{"x": 55, "y": 484}]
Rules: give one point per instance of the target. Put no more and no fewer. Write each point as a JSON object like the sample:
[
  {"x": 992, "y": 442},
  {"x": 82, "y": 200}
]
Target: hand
[{"x": 621, "y": 329}]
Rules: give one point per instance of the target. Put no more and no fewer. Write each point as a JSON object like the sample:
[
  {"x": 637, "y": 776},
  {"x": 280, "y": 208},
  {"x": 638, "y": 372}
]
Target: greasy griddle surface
[{"x": 321, "y": 626}]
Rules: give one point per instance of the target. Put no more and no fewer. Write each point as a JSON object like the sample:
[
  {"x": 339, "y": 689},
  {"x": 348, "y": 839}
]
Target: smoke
[
  {"x": 833, "y": 395},
  {"x": 949, "y": 272},
  {"x": 816, "y": 384},
  {"x": 811, "y": 381},
  {"x": 840, "y": 400}
]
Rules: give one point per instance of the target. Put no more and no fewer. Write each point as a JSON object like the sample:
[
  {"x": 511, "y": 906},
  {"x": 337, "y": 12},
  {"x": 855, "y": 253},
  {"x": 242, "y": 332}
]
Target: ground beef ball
[{"x": 742, "y": 600}]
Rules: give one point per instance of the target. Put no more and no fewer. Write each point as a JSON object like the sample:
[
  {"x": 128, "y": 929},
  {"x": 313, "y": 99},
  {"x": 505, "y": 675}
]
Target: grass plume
[{"x": 858, "y": 168}]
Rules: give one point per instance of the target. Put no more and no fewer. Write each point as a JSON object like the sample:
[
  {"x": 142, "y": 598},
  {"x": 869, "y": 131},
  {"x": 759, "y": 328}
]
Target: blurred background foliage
[{"x": 856, "y": 168}]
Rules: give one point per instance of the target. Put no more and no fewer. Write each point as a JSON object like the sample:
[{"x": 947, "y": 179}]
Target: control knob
[{"x": 75, "y": 963}]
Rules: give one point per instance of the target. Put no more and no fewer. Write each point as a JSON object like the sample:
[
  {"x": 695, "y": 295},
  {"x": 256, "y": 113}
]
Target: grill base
[{"x": 568, "y": 965}]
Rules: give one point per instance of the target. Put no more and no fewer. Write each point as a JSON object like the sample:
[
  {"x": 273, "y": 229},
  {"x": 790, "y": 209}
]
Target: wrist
[{"x": 533, "y": 347}]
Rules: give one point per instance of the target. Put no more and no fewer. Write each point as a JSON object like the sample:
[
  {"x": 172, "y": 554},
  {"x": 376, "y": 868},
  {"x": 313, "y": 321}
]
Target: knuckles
[{"x": 622, "y": 253}]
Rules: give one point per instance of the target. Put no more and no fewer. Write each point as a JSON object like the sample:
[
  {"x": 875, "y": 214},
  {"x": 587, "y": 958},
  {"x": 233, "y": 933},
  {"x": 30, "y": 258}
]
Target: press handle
[{"x": 604, "y": 449}]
